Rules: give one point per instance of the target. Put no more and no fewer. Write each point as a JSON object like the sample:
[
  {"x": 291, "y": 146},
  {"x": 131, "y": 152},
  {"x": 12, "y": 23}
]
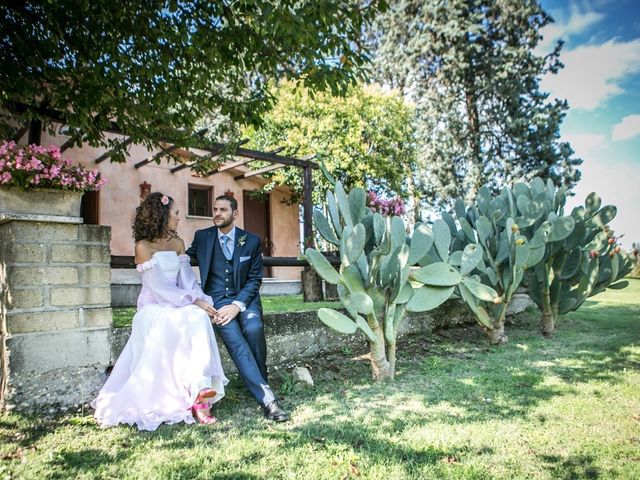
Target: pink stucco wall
[{"x": 121, "y": 195}]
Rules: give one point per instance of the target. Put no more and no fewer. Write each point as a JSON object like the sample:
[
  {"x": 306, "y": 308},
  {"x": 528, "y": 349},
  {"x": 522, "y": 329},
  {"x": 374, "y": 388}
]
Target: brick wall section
[
  {"x": 58, "y": 276},
  {"x": 56, "y": 309}
]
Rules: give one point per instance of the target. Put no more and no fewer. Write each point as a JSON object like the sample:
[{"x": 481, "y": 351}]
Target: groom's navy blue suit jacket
[{"x": 247, "y": 262}]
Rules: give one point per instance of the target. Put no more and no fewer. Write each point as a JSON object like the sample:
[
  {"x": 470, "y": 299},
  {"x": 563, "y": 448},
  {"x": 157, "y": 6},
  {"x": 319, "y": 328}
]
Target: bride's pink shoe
[
  {"x": 205, "y": 394},
  {"x": 202, "y": 403},
  {"x": 200, "y": 416}
]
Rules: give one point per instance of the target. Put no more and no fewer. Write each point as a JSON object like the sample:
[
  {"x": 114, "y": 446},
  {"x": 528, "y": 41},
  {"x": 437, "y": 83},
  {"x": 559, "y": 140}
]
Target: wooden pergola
[
  {"x": 167, "y": 148},
  {"x": 247, "y": 156}
]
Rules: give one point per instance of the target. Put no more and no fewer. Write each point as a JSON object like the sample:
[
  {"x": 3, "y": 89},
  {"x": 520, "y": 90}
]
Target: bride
[{"x": 169, "y": 370}]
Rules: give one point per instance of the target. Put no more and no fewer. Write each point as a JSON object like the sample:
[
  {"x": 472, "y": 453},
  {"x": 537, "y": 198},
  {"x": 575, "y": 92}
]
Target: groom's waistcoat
[{"x": 220, "y": 279}]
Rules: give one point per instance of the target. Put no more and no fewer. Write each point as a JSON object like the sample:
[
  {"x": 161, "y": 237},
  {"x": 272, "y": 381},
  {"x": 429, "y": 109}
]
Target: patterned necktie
[{"x": 225, "y": 247}]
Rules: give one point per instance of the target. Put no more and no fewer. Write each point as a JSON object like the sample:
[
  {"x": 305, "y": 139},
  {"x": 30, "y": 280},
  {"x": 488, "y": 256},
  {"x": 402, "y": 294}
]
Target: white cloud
[
  {"x": 606, "y": 172},
  {"x": 616, "y": 183},
  {"x": 577, "y": 23},
  {"x": 592, "y": 73},
  {"x": 628, "y": 128},
  {"x": 584, "y": 144}
]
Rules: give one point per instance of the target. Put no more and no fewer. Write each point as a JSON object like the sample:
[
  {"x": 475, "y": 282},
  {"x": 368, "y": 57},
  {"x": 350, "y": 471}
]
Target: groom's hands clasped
[
  {"x": 219, "y": 317},
  {"x": 226, "y": 314},
  {"x": 212, "y": 312}
]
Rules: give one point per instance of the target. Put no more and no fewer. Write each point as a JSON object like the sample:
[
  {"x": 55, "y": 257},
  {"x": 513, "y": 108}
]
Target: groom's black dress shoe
[{"x": 273, "y": 412}]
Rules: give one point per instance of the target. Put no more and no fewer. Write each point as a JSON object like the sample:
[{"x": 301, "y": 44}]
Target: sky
[{"x": 601, "y": 82}]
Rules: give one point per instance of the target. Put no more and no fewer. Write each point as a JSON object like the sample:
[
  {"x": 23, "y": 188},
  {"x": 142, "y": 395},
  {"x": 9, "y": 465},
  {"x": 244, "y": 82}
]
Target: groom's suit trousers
[{"x": 245, "y": 341}]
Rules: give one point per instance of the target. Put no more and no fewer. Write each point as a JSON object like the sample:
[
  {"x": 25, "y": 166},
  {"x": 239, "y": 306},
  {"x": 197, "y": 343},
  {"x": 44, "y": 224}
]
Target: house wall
[{"x": 121, "y": 195}]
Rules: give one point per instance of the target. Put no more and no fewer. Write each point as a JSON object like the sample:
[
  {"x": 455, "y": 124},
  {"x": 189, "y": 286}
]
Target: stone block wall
[
  {"x": 56, "y": 311},
  {"x": 294, "y": 336}
]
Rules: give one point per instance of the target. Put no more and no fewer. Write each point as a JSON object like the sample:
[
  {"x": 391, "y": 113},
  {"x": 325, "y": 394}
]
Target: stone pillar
[{"x": 56, "y": 310}]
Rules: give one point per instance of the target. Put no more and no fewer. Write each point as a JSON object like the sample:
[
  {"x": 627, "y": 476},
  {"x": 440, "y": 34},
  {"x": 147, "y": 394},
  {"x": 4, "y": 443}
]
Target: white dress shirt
[{"x": 231, "y": 245}]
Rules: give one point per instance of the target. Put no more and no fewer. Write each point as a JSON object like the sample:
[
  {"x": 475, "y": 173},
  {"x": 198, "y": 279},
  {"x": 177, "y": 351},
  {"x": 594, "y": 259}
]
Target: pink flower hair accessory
[{"x": 164, "y": 200}]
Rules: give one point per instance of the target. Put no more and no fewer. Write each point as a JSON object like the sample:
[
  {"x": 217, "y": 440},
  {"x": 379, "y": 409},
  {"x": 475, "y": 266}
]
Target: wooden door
[
  {"x": 90, "y": 208},
  {"x": 257, "y": 220}
]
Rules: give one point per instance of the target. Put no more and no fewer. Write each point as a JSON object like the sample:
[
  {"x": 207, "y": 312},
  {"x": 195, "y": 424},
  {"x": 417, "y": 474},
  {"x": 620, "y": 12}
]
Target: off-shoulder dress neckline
[{"x": 148, "y": 264}]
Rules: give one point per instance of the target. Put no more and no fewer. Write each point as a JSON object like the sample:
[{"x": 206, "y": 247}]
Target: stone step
[{"x": 275, "y": 286}]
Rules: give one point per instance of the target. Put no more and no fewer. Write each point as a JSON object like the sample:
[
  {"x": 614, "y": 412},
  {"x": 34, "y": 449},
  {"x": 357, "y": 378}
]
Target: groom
[{"x": 230, "y": 262}]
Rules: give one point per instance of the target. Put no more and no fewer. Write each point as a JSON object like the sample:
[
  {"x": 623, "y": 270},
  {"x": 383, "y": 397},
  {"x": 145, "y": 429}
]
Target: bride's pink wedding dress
[{"x": 171, "y": 354}]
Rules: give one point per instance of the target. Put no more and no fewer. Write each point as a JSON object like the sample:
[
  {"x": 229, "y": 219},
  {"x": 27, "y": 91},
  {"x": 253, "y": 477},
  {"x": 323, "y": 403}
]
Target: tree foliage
[
  {"x": 157, "y": 67},
  {"x": 365, "y": 138},
  {"x": 471, "y": 68}
]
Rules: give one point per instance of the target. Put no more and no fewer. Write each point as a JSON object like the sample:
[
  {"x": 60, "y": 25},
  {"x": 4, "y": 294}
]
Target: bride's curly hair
[{"x": 152, "y": 217}]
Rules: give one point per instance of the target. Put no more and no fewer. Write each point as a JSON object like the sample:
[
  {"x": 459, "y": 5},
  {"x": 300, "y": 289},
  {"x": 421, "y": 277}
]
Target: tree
[
  {"x": 471, "y": 69},
  {"x": 156, "y": 68},
  {"x": 364, "y": 138}
]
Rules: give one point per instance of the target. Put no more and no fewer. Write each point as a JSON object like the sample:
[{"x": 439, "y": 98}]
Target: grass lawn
[
  {"x": 122, "y": 316},
  {"x": 563, "y": 408}
]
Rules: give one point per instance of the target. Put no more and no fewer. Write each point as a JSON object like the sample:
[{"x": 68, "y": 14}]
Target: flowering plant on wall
[
  {"x": 34, "y": 166},
  {"x": 392, "y": 206}
]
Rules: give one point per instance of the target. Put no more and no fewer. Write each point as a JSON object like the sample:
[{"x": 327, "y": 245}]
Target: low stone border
[{"x": 297, "y": 335}]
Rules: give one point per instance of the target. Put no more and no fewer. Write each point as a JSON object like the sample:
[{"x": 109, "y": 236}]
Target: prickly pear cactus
[
  {"x": 493, "y": 223},
  {"x": 376, "y": 280},
  {"x": 578, "y": 265}
]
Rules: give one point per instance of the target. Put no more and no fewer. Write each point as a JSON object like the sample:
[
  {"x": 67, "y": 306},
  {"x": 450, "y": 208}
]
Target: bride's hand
[{"x": 212, "y": 312}]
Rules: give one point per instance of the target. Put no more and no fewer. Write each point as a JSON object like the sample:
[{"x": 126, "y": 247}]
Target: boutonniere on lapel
[{"x": 241, "y": 240}]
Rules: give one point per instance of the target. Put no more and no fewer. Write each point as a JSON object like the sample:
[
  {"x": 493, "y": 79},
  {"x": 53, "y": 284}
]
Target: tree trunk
[
  {"x": 555, "y": 313},
  {"x": 474, "y": 180},
  {"x": 331, "y": 292},
  {"x": 311, "y": 286},
  {"x": 381, "y": 369},
  {"x": 35, "y": 132},
  {"x": 391, "y": 357},
  {"x": 413, "y": 215},
  {"x": 548, "y": 323},
  {"x": 496, "y": 334}
]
